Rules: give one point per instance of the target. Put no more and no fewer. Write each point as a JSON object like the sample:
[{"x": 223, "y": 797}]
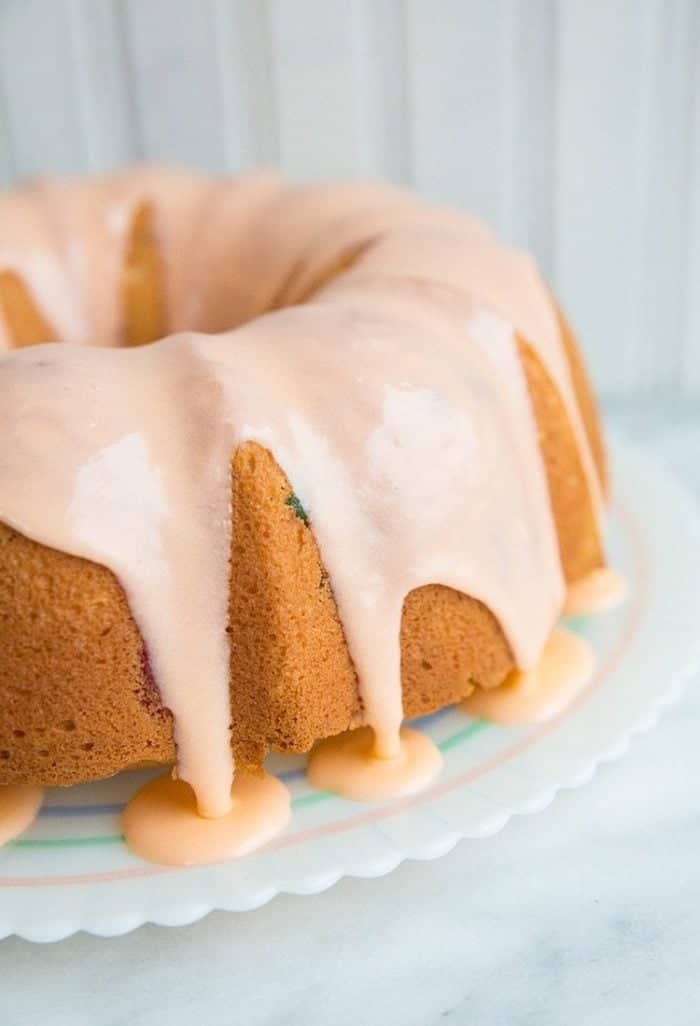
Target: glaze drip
[
  {"x": 349, "y": 765},
  {"x": 540, "y": 694},
  {"x": 162, "y": 823}
]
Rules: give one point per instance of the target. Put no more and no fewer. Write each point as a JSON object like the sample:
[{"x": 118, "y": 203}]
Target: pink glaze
[
  {"x": 349, "y": 765},
  {"x": 394, "y": 401},
  {"x": 27, "y": 248},
  {"x": 162, "y": 823},
  {"x": 220, "y": 289},
  {"x": 501, "y": 279},
  {"x": 536, "y": 695},
  {"x": 19, "y": 805},
  {"x": 599, "y": 591}
]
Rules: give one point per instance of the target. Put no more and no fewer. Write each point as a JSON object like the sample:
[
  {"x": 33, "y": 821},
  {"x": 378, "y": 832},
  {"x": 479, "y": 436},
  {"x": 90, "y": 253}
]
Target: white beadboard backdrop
[{"x": 573, "y": 126}]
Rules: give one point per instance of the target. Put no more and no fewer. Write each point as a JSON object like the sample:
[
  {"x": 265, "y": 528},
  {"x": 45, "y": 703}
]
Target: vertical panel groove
[
  {"x": 536, "y": 130},
  {"x": 322, "y": 131},
  {"x": 79, "y": 48},
  {"x": 637, "y": 343},
  {"x": 511, "y": 72},
  {"x": 249, "y": 101},
  {"x": 666, "y": 202},
  {"x": 689, "y": 365},
  {"x": 552, "y": 220},
  {"x": 269, "y": 141},
  {"x": 617, "y": 217},
  {"x": 129, "y": 77},
  {"x": 8, "y": 166},
  {"x": 378, "y": 61},
  {"x": 408, "y": 173},
  {"x": 689, "y": 339},
  {"x": 232, "y": 127}
]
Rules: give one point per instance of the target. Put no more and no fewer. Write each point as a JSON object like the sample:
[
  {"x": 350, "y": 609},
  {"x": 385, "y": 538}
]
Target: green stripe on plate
[
  {"x": 304, "y": 801},
  {"x": 311, "y": 799},
  {"x": 460, "y": 736},
  {"x": 66, "y": 842}
]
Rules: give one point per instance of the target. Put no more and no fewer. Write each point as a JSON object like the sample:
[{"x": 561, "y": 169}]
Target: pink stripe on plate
[{"x": 640, "y": 594}]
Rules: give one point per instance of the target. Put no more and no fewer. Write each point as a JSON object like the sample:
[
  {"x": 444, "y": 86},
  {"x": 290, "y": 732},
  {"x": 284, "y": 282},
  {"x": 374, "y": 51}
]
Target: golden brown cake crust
[
  {"x": 580, "y": 546},
  {"x": 142, "y": 301},
  {"x": 26, "y": 325},
  {"x": 76, "y": 701},
  {"x": 586, "y": 399}
]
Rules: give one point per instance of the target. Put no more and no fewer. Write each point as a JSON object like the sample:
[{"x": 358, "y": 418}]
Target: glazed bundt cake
[{"x": 349, "y": 482}]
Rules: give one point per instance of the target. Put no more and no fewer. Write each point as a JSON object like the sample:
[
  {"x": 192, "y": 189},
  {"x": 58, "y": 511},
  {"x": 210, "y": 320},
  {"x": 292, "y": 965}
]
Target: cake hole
[
  {"x": 68, "y": 725},
  {"x": 43, "y": 752},
  {"x": 4, "y": 754},
  {"x": 88, "y": 746},
  {"x": 426, "y": 665},
  {"x": 19, "y": 733}
]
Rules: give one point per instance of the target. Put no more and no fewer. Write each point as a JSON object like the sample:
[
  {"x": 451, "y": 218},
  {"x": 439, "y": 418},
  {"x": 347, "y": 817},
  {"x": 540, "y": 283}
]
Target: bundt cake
[{"x": 349, "y": 482}]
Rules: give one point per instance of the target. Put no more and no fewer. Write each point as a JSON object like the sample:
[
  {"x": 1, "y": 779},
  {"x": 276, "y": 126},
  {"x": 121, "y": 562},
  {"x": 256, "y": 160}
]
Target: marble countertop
[{"x": 586, "y": 914}]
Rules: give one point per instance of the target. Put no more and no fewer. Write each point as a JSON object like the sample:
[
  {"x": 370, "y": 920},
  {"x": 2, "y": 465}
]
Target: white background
[{"x": 571, "y": 125}]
